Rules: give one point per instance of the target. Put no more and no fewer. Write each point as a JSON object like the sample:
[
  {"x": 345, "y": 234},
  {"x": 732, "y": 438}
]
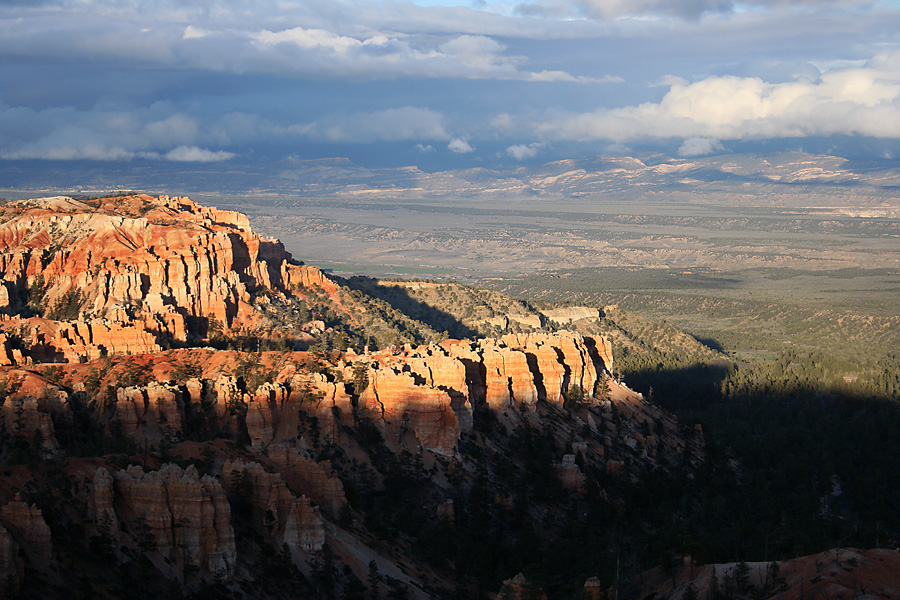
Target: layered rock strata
[
  {"x": 26, "y": 523},
  {"x": 285, "y": 518},
  {"x": 175, "y": 512},
  {"x": 431, "y": 391},
  {"x": 130, "y": 274}
]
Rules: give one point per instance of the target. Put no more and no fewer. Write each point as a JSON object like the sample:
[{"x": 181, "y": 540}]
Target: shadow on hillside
[
  {"x": 712, "y": 344},
  {"x": 685, "y": 390},
  {"x": 399, "y": 298},
  {"x": 818, "y": 462}
]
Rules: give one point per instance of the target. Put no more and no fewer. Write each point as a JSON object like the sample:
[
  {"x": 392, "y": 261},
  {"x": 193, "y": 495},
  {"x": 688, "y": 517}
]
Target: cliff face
[
  {"x": 12, "y": 567},
  {"x": 196, "y": 467},
  {"x": 26, "y": 522},
  {"x": 130, "y": 274},
  {"x": 431, "y": 391},
  {"x": 178, "y": 517},
  {"x": 285, "y": 519}
]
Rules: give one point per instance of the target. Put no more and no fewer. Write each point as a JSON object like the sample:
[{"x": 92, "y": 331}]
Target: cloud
[
  {"x": 856, "y": 101},
  {"x": 699, "y": 146},
  {"x": 503, "y": 123},
  {"x": 553, "y": 76},
  {"x": 310, "y": 38},
  {"x": 424, "y": 148},
  {"x": 682, "y": 9},
  {"x": 195, "y": 154},
  {"x": 459, "y": 146},
  {"x": 523, "y": 151},
  {"x": 616, "y": 150},
  {"x": 211, "y": 80},
  {"x": 393, "y": 124},
  {"x": 103, "y": 133},
  {"x": 344, "y": 43},
  {"x": 670, "y": 81}
]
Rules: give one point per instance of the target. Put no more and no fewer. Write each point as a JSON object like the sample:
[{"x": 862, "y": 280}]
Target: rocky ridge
[
  {"x": 835, "y": 573},
  {"x": 134, "y": 274},
  {"x": 307, "y": 426},
  {"x": 197, "y": 467}
]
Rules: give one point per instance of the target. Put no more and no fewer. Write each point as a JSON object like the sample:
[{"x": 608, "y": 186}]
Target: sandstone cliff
[
  {"x": 285, "y": 518},
  {"x": 26, "y": 523},
  {"x": 131, "y": 274},
  {"x": 259, "y": 472},
  {"x": 182, "y": 518},
  {"x": 12, "y": 567}
]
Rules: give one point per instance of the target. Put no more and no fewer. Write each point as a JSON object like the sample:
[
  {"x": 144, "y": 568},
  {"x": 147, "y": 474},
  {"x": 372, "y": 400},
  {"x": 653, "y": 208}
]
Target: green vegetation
[{"x": 803, "y": 394}]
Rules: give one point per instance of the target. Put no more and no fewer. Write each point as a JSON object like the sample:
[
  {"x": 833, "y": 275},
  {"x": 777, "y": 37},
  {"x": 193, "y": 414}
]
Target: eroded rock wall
[
  {"x": 282, "y": 516},
  {"x": 128, "y": 275},
  {"x": 175, "y": 512}
]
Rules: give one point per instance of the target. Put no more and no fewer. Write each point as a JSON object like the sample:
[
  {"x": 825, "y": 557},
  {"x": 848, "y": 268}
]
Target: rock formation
[
  {"x": 12, "y": 567},
  {"x": 367, "y": 451},
  {"x": 150, "y": 413},
  {"x": 131, "y": 274},
  {"x": 26, "y": 523},
  {"x": 285, "y": 518},
  {"x": 315, "y": 479},
  {"x": 175, "y": 512},
  {"x": 519, "y": 588},
  {"x": 572, "y": 313},
  {"x": 27, "y": 410}
]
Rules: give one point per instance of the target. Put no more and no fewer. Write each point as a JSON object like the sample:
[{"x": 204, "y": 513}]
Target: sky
[{"x": 443, "y": 84}]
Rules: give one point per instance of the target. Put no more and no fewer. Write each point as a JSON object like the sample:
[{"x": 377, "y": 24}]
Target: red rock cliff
[{"x": 125, "y": 275}]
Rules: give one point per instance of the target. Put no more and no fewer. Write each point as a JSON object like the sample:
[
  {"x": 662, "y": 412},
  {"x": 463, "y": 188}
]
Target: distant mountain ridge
[{"x": 622, "y": 176}]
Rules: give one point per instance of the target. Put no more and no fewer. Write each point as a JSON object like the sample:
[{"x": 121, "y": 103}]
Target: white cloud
[
  {"x": 684, "y": 9},
  {"x": 699, "y": 146},
  {"x": 301, "y": 41},
  {"x": 191, "y": 32},
  {"x": 232, "y": 76},
  {"x": 459, "y": 146},
  {"x": 174, "y": 129},
  {"x": 101, "y": 133},
  {"x": 309, "y": 38},
  {"x": 473, "y": 49},
  {"x": 503, "y": 123},
  {"x": 424, "y": 148},
  {"x": 669, "y": 81},
  {"x": 523, "y": 151},
  {"x": 195, "y": 154},
  {"x": 859, "y": 101},
  {"x": 553, "y": 76}
]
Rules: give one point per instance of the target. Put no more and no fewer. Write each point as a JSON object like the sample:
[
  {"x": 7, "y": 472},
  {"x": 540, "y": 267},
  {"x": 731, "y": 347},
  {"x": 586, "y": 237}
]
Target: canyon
[
  {"x": 128, "y": 441},
  {"x": 186, "y": 410}
]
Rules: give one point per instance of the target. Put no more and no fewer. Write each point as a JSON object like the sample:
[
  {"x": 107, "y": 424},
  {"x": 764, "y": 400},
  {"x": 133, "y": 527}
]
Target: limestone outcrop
[
  {"x": 519, "y": 588},
  {"x": 517, "y": 369},
  {"x": 12, "y": 567},
  {"x": 27, "y": 410},
  {"x": 183, "y": 517},
  {"x": 285, "y": 518},
  {"x": 569, "y": 472},
  {"x": 132, "y": 274},
  {"x": 26, "y": 523},
  {"x": 431, "y": 391},
  {"x": 571, "y": 313},
  {"x": 395, "y": 396},
  {"x": 150, "y": 413},
  {"x": 315, "y": 479}
]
